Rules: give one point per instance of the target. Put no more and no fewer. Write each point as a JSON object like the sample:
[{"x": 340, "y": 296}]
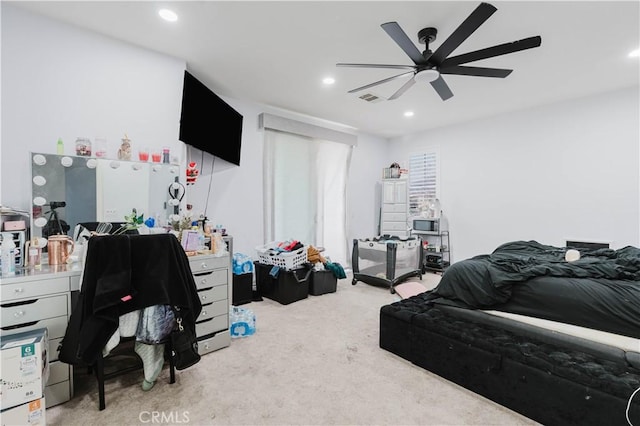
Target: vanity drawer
[
  {"x": 56, "y": 327},
  {"x": 58, "y": 372},
  {"x": 30, "y": 289},
  {"x": 218, "y": 341},
  {"x": 212, "y": 310},
  {"x": 211, "y": 279},
  {"x": 212, "y": 325},
  {"x": 34, "y": 310},
  {"x": 213, "y": 294},
  {"x": 58, "y": 393},
  {"x": 209, "y": 263}
]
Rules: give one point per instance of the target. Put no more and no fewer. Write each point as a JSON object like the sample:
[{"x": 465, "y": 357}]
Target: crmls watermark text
[{"x": 160, "y": 417}]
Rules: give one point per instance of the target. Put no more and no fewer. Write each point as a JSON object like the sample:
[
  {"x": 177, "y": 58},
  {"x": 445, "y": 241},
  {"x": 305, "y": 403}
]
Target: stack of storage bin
[
  {"x": 282, "y": 276},
  {"x": 242, "y": 291}
]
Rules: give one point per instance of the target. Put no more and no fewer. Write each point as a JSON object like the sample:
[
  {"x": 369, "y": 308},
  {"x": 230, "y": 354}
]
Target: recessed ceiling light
[
  {"x": 168, "y": 15},
  {"x": 328, "y": 80},
  {"x": 635, "y": 53},
  {"x": 408, "y": 114}
]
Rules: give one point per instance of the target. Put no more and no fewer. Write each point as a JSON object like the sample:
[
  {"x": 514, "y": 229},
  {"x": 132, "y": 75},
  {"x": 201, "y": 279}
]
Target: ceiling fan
[{"x": 430, "y": 66}]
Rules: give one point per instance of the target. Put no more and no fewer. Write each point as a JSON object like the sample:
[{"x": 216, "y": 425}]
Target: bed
[{"x": 556, "y": 341}]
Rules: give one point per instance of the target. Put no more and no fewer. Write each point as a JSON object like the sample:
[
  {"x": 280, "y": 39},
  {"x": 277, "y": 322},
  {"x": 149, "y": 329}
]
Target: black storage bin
[
  {"x": 288, "y": 287},
  {"x": 242, "y": 289},
  {"x": 322, "y": 282}
]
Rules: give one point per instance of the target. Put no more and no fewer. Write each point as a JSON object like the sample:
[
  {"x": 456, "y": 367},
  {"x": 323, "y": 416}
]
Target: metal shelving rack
[{"x": 437, "y": 256}]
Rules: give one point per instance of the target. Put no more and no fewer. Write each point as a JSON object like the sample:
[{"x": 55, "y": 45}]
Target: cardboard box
[
  {"x": 30, "y": 413},
  {"x": 24, "y": 367}
]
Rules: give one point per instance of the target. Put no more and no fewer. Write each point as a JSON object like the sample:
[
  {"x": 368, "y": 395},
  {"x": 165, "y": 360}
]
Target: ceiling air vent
[{"x": 370, "y": 97}]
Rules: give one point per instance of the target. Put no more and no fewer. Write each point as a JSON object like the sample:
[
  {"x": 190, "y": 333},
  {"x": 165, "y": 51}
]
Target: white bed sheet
[{"x": 622, "y": 342}]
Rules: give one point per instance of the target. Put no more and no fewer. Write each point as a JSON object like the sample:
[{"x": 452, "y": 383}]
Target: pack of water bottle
[
  {"x": 243, "y": 322},
  {"x": 242, "y": 264}
]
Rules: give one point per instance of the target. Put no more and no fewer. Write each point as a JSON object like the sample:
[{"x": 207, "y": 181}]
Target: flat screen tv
[{"x": 208, "y": 123}]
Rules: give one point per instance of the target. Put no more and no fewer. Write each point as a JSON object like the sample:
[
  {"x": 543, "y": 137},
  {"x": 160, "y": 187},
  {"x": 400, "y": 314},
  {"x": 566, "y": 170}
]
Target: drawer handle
[
  {"x": 203, "y": 281},
  {"x": 203, "y": 265},
  {"x": 203, "y": 297},
  {"x": 204, "y": 313},
  {"x": 18, "y": 290},
  {"x": 19, "y": 314}
]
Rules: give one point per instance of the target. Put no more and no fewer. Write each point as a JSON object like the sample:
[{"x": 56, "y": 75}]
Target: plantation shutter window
[{"x": 423, "y": 179}]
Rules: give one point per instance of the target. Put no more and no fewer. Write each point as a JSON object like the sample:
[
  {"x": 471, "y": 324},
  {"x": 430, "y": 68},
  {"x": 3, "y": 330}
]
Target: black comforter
[{"x": 601, "y": 290}]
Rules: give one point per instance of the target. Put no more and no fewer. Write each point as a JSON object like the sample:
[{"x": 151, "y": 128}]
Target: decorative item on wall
[
  {"x": 192, "y": 173},
  {"x": 124, "y": 153}
]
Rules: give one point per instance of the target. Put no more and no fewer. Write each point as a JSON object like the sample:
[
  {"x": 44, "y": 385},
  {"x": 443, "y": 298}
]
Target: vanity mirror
[{"x": 67, "y": 190}]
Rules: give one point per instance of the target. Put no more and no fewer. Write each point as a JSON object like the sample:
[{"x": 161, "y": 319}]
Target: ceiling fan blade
[
  {"x": 490, "y": 52},
  {"x": 405, "y": 43},
  {"x": 473, "y": 21},
  {"x": 442, "y": 88},
  {"x": 475, "y": 71},
  {"x": 379, "y": 82},
  {"x": 403, "y": 89},
  {"x": 399, "y": 67}
]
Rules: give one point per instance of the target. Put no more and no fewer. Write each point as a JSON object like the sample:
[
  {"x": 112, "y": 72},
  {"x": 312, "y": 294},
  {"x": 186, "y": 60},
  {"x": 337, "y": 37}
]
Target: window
[
  {"x": 305, "y": 191},
  {"x": 423, "y": 179}
]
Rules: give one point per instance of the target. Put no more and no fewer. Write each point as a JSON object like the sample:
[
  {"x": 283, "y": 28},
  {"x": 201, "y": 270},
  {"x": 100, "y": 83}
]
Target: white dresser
[
  {"x": 35, "y": 299},
  {"x": 213, "y": 280},
  {"x": 394, "y": 208}
]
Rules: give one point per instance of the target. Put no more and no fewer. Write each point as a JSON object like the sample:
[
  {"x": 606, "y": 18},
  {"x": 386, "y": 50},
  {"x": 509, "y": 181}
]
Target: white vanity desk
[{"x": 33, "y": 299}]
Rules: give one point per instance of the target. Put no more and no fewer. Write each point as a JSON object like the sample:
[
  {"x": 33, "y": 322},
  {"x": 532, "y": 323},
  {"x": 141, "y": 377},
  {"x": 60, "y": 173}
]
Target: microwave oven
[{"x": 425, "y": 226}]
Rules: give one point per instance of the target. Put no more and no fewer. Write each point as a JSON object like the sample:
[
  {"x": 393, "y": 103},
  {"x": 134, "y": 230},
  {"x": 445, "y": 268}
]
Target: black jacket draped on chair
[{"x": 124, "y": 273}]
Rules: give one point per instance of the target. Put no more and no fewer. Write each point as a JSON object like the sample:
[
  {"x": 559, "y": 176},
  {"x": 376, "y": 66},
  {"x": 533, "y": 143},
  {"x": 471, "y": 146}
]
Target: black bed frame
[{"x": 549, "y": 377}]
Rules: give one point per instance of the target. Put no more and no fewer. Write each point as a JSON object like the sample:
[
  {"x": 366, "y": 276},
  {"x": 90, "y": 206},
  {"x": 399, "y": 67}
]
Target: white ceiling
[{"x": 277, "y": 53}]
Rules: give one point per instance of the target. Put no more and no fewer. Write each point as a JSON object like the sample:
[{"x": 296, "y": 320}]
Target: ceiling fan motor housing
[{"x": 427, "y": 35}]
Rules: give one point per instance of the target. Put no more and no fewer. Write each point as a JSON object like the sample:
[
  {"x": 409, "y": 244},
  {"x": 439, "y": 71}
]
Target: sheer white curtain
[{"x": 305, "y": 191}]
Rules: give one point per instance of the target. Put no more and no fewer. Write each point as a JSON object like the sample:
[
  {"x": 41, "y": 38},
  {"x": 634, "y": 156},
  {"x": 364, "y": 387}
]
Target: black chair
[{"x": 124, "y": 350}]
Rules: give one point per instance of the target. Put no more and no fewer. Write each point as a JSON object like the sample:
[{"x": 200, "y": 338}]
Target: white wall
[
  {"x": 61, "y": 81},
  {"x": 236, "y": 201},
  {"x": 564, "y": 171}
]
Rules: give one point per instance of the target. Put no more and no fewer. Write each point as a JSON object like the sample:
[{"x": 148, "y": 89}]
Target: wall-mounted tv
[{"x": 208, "y": 123}]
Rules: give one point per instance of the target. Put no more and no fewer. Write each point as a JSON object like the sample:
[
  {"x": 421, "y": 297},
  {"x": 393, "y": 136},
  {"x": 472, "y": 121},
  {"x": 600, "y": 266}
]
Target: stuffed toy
[{"x": 192, "y": 173}]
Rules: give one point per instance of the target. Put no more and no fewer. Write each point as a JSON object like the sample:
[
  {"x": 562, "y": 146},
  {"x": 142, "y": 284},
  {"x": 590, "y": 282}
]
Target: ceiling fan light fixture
[{"x": 426, "y": 76}]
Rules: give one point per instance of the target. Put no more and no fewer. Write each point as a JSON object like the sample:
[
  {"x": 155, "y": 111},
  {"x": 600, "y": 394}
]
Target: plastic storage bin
[
  {"x": 322, "y": 282},
  {"x": 242, "y": 289},
  {"x": 288, "y": 287}
]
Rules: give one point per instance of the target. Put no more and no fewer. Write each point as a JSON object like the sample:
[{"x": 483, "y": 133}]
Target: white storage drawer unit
[
  {"x": 395, "y": 207},
  {"x": 34, "y": 299},
  {"x": 213, "y": 280}
]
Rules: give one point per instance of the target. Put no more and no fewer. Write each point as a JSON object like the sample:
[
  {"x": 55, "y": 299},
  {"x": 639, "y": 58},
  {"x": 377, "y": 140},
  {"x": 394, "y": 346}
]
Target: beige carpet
[{"x": 316, "y": 361}]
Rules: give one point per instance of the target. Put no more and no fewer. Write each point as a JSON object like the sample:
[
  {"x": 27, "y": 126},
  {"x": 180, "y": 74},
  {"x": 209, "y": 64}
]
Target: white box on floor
[
  {"x": 31, "y": 413},
  {"x": 24, "y": 367}
]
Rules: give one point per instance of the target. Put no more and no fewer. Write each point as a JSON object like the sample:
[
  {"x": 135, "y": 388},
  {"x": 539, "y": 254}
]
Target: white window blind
[{"x": 423, "y": 179}]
